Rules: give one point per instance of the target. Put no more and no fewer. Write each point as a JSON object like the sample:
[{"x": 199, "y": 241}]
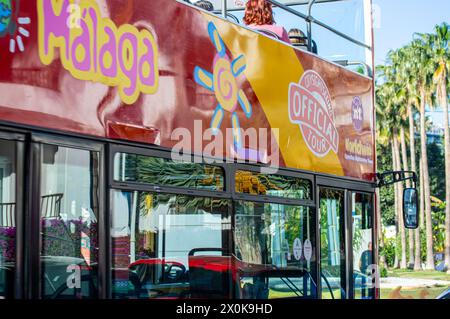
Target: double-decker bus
[{"x": 152, "y": 149}]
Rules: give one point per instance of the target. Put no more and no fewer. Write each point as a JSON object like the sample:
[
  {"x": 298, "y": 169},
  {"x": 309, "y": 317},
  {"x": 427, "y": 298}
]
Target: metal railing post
[
  {"x": 224, "y": 8},
  {"x": 309, "y": 24}
]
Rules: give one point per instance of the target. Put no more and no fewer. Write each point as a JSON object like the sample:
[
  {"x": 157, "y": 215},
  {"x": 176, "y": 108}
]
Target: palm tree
[
  {"x": 387, "y": 114},
  {"x": 423, "y": 67},
  {"x": 403, "y": 99},
  {"x": 397, "y": 103},
  {"x": 440, "y": 45},
  {"x": 398, "y": 167},
  {"x": 408, "y": 93}
]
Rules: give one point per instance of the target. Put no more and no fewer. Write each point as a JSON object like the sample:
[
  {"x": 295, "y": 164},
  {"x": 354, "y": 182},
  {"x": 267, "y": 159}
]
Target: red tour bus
[{"x": 152, "y": 149}]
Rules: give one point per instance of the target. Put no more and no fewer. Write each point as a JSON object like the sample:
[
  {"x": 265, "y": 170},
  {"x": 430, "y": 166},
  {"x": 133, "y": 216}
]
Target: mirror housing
[{"x": 410, "y": 208}]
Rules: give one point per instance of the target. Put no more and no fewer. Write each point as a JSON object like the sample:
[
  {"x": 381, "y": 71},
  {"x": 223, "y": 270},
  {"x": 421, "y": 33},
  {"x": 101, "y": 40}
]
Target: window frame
[
  {"x": 343, "y": 228},
  {"x": 313, "y": 211},
  {"x": 227, "y": 233},
  {"x": 20, "y": 160},
  {"x": 35, "y": 280},
  {"x": 268, "y": 198},
  {"x": 349, "y": 230},
  {"x": 229, "y": 192},
  {"x": 132, "y": 185}
]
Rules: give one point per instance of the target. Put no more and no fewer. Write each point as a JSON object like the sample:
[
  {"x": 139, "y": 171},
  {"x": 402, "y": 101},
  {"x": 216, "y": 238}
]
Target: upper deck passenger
[{"x": 259, "y": 15}]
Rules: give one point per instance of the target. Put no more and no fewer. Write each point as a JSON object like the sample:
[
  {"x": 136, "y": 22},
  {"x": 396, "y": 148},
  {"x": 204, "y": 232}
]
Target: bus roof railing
[
  {"x": 307, "y": 17},
  {"x": 238, "y": 5}
]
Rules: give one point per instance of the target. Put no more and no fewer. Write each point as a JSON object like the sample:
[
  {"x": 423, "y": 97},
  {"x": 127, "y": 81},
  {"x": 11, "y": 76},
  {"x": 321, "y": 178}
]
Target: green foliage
[
  {"x": 423, "y": 244},
  {"x": 388, "y": 251},
  {"x": 398, "y": 245},
  {"x": 384, "y": 157},
  {"x": 436, "y": 164},
  {"x": 438, "y": 215},
  {"x": 383, "y": 272}
]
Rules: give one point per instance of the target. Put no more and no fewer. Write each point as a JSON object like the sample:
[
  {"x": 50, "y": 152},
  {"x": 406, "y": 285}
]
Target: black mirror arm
[{"x": 392, "y": 177}]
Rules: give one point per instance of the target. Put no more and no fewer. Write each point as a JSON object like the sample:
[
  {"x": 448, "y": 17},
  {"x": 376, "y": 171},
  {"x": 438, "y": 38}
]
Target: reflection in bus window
[
  {"x": 165, "y": 172},
  {"x": 7, "y": 217},
  {"x": 362, "y": 246},
  {"x": 254, "y": 183},
  {"x": 275, "y": 246},
  {"x": 69, "y": 221},
  {"x": 153, "y": 240},
  {"x": 332, "y": 251}
]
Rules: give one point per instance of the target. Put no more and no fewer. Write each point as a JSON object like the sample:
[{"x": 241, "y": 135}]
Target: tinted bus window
[
  {"x": 154, "y": 243},
  {"x": 165, "y": 172},
  {"x": 254, "y": 183},
  {"x": 7, "y": 217},
  {"x": 69, "y": 222},
  {"x": 362, "y": 246},
  {"x": 332, "y": 244},
  {"x": 275, "y": 247}
]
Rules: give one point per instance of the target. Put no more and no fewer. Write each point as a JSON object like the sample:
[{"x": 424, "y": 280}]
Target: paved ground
[{"x": 393, "y": 282}]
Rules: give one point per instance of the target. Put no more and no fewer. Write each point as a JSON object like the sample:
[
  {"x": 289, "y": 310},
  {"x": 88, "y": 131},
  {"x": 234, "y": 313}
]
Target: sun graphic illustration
[
  {"x": 223, "y": 82},
  {"x": 13, "y": 25}
]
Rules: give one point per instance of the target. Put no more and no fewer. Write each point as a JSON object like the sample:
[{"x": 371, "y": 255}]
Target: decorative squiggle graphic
[
  {"x": 13, "y": 25},
  {"x": 223, "y": 82}
]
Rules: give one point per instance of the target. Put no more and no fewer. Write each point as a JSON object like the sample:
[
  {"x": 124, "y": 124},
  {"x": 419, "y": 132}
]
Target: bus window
[
  {"x": 255, "y": 183},
  {"x": 7, "y": 217},
  {"x": 274, "y": 248},
  {"x": 362, "y": 245},
  {"x": 69, "y": 222},
  {"x": 148, "y": 170},
  {"x": 332, "y": 244},
  {"x": 153, "y": 239}
]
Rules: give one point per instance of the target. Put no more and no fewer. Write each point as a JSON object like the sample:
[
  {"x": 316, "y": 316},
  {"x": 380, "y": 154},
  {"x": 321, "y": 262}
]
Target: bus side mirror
[{"x": 410, "y": 211}]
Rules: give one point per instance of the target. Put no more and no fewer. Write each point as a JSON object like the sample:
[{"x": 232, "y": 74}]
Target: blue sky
[{"x": 399, "y": 19}]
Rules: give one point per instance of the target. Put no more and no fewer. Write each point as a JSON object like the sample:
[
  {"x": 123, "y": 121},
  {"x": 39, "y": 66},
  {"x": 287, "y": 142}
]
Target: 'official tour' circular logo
[{"x": 310, "y": 107}]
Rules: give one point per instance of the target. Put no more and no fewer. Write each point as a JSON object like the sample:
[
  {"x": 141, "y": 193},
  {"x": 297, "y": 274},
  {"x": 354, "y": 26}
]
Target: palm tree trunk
[
  {"x": 399, "y": 204},
  {"x": 408, "y": 185},
  {"x": 412, "y": 150},
  {"x": 396, "y": 206},
  {"x": 422, "y": 198},
  {"x": 444, "y": 104},
  {"x": 426, "y": 184}
]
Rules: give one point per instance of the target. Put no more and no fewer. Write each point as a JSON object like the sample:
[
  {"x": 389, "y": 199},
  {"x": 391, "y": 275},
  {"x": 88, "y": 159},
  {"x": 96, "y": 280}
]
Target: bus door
[
  {"x": 346, "y": 243},
  {"x": 11, "y": 180}
]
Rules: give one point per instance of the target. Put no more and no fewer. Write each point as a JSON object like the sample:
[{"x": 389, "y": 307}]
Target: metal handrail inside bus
[
  {"x": 7, "y": 214},
  {"x": 310, "y": 20}
]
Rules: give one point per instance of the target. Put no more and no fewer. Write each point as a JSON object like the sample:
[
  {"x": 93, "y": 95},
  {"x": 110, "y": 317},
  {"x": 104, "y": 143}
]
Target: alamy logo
[{"x": 310, "y": 107}]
